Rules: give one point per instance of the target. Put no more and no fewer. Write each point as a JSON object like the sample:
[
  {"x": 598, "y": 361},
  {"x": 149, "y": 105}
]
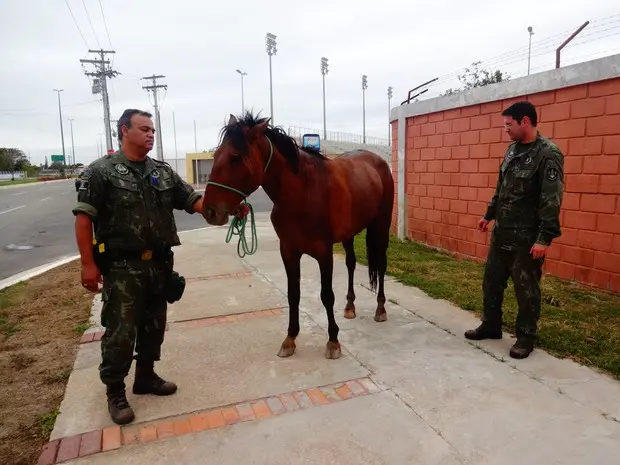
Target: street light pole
[
  {"x": 242, "y": 103},
  {"x": 529, "y": 51},
  {"x": 364, "y": 87},
  {"x": 389, "y": 93},
  {"x": 62, "y": 134},
  {"x": 324, "y": 71},
  {"x": 72, "y": 143},
  {"x": 176, "y": 151},
  {"x": 270, "y": 44}
]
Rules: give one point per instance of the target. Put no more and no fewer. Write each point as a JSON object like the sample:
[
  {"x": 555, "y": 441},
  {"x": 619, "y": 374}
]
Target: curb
[
  {"x": 31, "y": 273},
  {"x": 30, "y": 184}
]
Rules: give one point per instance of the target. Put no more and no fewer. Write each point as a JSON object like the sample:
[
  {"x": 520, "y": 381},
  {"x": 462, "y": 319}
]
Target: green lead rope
[
  {"x": 238, "y": 224},
  {"x": 237, "y": 228}
]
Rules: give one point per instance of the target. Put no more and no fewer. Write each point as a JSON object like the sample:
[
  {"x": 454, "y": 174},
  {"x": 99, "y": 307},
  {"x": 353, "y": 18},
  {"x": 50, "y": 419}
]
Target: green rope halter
[{"x": 239, "y": 222}]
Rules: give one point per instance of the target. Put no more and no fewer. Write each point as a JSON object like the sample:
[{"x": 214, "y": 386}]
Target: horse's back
[
  {"x": 365, "y": 187},
  {"x": 363, "y": 166}
]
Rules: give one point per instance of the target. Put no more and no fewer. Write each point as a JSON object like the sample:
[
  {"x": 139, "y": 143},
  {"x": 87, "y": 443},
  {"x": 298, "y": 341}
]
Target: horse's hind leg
[
  {"x": 349, "y": 309},
  {"x": 377, "y": 240}
]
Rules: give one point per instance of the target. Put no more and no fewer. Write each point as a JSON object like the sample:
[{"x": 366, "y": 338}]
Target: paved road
[{"x": 37, "y": 226}]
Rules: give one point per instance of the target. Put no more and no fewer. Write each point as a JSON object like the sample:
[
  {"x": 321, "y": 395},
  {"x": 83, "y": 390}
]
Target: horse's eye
[{"x": 234, "y": 158}]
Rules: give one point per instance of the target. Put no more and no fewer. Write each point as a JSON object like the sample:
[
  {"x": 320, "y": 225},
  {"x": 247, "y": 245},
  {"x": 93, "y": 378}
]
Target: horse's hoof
[
  {"x": 332, "y": 350},
  {"x": 381, "y": 316},
  {"x": 349, "y": 313},
  {"x": 287, "y": 349}
]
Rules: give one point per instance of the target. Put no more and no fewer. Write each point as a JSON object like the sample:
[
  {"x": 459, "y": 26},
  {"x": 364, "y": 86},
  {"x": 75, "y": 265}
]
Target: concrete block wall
[{"x": 453, "y": 147}]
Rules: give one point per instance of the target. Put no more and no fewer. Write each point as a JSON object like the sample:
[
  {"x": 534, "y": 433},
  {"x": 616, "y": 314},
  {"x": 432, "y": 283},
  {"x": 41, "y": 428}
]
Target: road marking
[
  {"x": 12, "y": 209},
  {"x": 17, "y": 193},
  {"x": 46, "y": 198}
]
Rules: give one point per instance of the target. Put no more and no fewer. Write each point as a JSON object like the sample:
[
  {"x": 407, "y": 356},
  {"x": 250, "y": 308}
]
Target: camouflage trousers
[
  {"x": 525, "y": 272},
  {"x": 134, "y": 315}
]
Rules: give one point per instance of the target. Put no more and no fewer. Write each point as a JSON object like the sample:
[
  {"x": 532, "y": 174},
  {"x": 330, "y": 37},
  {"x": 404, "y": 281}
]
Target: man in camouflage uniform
[
  {"x": 130, "y": 198},
  {"x": 526, "y": 210}
]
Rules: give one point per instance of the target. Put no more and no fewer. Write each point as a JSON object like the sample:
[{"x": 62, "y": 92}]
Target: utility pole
[
  {"x": 242, "y": 103},
  {"x": 270, "y": 44},
  {"x": 153, "y": 88},
  {"x": 364, "y": 87},
  {"x": 62, "y": 134},
  {"x": 389, "y": 110},
  {"x": 100, "y": 86},
  {"x": 115, "y": 132},
  {"x": 529, "y": 50},
  {"x": 324, "y": 71},
  {"x": 72, "y": 143}
]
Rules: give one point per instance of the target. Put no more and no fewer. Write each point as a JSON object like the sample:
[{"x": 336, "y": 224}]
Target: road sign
[{"x": 60, "y": 158}]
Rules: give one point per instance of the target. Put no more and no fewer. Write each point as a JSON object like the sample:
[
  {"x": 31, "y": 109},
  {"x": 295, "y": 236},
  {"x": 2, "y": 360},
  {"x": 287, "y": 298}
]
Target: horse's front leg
[
  {"x": 326, "y": 265},
  {"x": 291, "y": 259}
]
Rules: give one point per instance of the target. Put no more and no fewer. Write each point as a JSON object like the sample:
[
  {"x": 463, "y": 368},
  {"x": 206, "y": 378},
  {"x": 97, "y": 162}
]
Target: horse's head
[{"x": 239, "y": 164}]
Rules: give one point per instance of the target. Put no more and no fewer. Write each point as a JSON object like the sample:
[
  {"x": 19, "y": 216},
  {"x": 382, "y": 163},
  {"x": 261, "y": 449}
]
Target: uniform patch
[
  {"x": 83, "y": 185},
  {"x": 122, "y": 169},
  {"x": 552, "y": 174},
  {"x": 155, "y": 173},
  {"x": 528, "y": 160}
]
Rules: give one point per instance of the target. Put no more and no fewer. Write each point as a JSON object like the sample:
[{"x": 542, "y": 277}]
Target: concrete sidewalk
[{"x": 411, "y": 390}]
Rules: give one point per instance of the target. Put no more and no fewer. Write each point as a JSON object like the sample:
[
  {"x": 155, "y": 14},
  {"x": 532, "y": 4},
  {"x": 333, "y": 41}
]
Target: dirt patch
[{"x": 41, "y": 322}]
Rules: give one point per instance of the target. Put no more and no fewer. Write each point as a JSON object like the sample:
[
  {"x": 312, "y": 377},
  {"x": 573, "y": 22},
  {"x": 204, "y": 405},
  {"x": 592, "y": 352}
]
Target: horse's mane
[{"x": 285, "y": 144}]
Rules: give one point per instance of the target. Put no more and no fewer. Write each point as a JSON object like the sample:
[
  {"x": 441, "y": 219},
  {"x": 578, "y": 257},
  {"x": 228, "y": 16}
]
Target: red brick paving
[{"x": 100, "y": 441}]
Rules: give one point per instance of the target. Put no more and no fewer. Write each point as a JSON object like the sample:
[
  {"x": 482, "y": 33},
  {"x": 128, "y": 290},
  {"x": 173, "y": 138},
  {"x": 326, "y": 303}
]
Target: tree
[
  {"x": 12, "y": 159},
  {"x": 476, "y": 77}
]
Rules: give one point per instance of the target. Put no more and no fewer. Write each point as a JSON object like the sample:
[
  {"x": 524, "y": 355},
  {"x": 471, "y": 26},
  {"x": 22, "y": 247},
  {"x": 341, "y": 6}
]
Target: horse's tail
[{"x": 378, "y": 233}]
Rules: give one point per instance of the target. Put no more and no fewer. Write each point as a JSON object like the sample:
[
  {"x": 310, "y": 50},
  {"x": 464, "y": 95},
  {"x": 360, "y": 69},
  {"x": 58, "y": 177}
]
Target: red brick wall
[{"x": 452, "y": 159}]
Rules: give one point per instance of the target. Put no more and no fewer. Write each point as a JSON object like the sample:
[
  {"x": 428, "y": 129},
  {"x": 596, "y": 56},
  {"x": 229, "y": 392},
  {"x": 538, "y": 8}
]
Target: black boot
[
  {"x": 147, "y": 382},
  {"x": 522, "y": 348},
  {"x": 120, "y": 410},
  {"x": 484, "y": 331}
]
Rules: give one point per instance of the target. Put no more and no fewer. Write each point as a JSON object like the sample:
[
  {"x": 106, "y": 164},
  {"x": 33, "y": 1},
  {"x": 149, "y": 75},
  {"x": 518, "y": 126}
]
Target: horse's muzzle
[{"x": 215, "y": 217}]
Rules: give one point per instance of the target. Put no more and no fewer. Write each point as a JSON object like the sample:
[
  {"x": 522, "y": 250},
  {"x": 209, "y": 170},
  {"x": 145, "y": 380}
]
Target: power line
[
  {"x": 91, "y": 24},
  {"x": 105, "y": 23},
  {"x": 76, "y": 23}
]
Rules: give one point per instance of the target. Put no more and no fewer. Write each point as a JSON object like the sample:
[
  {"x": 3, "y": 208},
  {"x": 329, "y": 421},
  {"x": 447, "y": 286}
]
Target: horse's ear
[
  {"x": 232, "y": 119},
  {"x": 262, "y": 127}
]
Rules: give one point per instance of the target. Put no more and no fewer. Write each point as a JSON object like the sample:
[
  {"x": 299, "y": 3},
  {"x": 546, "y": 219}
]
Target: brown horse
[{"x": 317, "y": 202}]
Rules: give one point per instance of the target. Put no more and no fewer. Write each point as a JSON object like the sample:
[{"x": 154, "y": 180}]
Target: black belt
[{"x": 143, "y": 255}]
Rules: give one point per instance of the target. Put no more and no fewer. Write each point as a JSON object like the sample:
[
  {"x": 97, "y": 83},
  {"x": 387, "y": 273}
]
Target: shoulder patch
[
  {"x": 122, "y": 169},
  {"x": 552, "y": 173}
]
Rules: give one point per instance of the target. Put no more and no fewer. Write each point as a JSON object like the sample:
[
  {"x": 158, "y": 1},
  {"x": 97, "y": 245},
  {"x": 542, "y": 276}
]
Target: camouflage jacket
[
  {"x": 131, "y": 210},
  {"x": 528, "y": 195}
]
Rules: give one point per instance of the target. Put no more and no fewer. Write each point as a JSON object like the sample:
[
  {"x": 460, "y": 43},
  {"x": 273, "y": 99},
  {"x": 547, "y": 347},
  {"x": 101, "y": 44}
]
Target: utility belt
[
  {"x": 175, "y": 283},
  {"x": 157, "y": 255}
]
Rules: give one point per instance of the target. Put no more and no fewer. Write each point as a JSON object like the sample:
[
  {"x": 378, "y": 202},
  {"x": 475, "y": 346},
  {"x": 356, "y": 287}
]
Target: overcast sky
[{"x": 198, "y": 45}]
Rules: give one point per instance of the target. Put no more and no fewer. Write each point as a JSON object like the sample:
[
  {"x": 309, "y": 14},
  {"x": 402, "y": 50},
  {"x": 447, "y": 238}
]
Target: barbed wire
[{"x": 596, "y": 30}]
